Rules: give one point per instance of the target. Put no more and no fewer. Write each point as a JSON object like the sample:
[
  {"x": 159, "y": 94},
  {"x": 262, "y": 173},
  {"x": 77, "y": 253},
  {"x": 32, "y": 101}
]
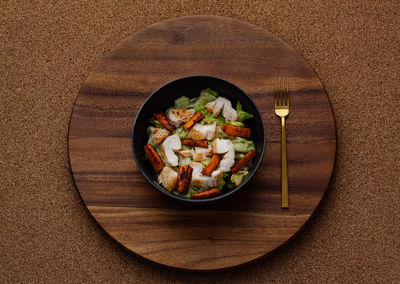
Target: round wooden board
[{"x": 238, "y": 230}]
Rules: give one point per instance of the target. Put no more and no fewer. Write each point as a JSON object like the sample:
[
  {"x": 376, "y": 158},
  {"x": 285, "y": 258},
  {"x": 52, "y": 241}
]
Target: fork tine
[
  {"x": 277, "y": 93},
  {"x": 283, "y": 92},
  {"x": 280, "y": 92},
  {"x": 287, "y": 92},
  {"x": 278, "y": 96}
]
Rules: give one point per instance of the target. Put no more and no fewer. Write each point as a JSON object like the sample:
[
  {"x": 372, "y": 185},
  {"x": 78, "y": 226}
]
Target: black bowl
[{"x": 191, "y": 87}]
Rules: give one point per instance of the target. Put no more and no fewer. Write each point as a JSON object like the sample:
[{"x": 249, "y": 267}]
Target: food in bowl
[{"x": 200, "y": 147}]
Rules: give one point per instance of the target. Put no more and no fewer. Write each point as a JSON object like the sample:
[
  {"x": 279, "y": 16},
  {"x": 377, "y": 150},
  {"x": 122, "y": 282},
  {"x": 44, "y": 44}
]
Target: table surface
[{"x": 47, "y": 51}]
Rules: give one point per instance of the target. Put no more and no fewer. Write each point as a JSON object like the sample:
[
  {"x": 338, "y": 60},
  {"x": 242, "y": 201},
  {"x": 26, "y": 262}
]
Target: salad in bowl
[{"x": 200, "y": 147}]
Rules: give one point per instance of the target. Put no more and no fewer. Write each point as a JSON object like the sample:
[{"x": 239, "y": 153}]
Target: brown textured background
[{"x": 48, "y": 49}]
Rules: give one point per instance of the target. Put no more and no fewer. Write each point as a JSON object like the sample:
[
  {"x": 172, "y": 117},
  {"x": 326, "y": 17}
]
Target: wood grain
[{"x": 251, "y": 223}]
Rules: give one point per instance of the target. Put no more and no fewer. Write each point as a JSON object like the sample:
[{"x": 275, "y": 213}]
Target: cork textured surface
[{"x": 48, "y": 49}]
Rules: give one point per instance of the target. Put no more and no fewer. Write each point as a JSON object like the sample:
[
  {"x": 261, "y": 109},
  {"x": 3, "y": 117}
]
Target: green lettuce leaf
[
  {"x": 198, "y": 103},
  {"x": 185, "y": 147},
  {"x": 243, "y": 145},
  {"x": 235, "y": 123},
  {"x": 187, "y": 195},
  {"x": 156, "y": 123},
  {"x": 181, "y": 132},
  {"x": 242, "y": 115},
  {"x": 239, "y": 176},
  {"x": 195, "y": 189},
  {"x": 221, "y": 184},
  {"x": 210, "y": 119},
  {"x": 209, "y": 91},
  {"x": 206, "y": 96},
  {"x": 192, "y": 102},
  {"x": 201, "y": 108},
  {"x": 182, "y": 102},
  {"x": 222, "y": 135},
  {"x": 192, "y": 190}
]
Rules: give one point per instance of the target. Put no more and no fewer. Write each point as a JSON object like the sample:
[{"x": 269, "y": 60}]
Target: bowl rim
[{"x": 197, "y": 201}]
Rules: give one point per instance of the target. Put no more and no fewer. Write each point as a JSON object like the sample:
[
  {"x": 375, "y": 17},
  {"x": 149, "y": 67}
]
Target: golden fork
[{"x": 282, "y": 110}]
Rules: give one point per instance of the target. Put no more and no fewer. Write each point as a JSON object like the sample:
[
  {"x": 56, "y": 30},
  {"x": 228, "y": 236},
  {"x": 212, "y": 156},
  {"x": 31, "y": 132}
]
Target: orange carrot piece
[
  {"x": 207, "y": 193},
  {"x": 212, "y": 165},
  {"x": 195, "y": 118},
  {"x": 195, "y": 143},
  {"x": 154, "y": 158},
  {"x": 184, "y": 179},
  {"x": 243, "y": 161},
  {"x": 236, "y": 131},
  {"x": 164, "y": 120}
]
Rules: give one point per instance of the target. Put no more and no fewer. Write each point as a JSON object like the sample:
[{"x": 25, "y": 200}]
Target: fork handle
[{"x": 285, "y": 190}]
